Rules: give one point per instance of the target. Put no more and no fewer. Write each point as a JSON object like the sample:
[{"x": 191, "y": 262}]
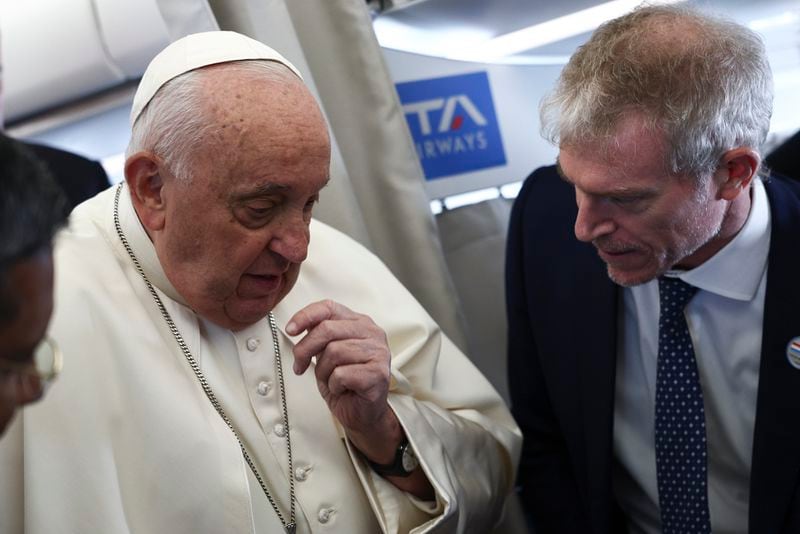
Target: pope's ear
[
  {"x": 143, "y": 175},
  {"x": 737, "y": 170}
]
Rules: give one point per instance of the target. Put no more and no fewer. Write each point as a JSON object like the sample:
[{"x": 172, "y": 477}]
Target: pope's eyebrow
[{"x": 264, "y": 190}]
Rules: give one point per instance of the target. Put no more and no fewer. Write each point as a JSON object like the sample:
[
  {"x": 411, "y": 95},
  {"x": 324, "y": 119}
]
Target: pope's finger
[
  {"x": 369, "y": 382},
  {"x": 319, "y": 338},
  {"x": 348, "y": 352},
  {"x": 315, "y": 313}
]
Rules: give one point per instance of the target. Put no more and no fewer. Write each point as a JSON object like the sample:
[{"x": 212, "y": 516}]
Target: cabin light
[
  {"x": 556, "y": 29},
  {"x": 477, "y": 45},
  {"x": 784, "y": 19}
]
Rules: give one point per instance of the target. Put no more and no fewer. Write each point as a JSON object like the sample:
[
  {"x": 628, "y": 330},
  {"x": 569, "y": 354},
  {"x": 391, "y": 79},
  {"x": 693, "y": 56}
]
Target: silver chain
[{"x": 291, "y": 525}]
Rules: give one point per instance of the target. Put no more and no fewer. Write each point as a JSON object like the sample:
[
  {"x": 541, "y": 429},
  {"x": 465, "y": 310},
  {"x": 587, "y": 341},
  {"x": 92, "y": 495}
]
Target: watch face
[{"x": 410, "y": 461}]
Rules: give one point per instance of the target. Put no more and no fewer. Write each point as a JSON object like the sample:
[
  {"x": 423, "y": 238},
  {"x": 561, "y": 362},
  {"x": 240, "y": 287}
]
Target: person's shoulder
[
  {"x": 335, "y": 257},
  {"x": 544, "y": 186},
  {"x": 341, "y": 269},
  {"x": 783, "y": 160},
  {"x": 93, "y": 211},
  {"x": 782, "y": 188},
  {"x": 326, "y": 239},
  {"x": 53, "y": 155},
  {"x": 83, "y": 238},
  {"x": 544, "y": 174},
  {"x": 69, "y": 167},
  {"x": 783, "y": 195},
  {"x": 80, "y": 177},
  {"x": 544, "y": 177},
  {"x": 545, "y": 199}
]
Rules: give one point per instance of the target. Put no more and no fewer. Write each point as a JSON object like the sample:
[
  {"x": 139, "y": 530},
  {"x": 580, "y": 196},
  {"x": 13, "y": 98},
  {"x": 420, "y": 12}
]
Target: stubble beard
[{"x": 697, "y": 237}]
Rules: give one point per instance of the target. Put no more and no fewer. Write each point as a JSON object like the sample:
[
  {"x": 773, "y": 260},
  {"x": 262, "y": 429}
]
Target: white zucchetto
[{"x": 195, "y": 51}]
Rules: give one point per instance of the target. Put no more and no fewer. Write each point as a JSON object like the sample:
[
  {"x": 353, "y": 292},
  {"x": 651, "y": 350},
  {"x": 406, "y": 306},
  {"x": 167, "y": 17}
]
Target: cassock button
[
  {"x": 325, "y": 514},
  {"x": 279, "y": 430},
  {"x": 253, "y": 343},
  {"x": 263, "y": 388},
  {"x": 301, "y": 473}
]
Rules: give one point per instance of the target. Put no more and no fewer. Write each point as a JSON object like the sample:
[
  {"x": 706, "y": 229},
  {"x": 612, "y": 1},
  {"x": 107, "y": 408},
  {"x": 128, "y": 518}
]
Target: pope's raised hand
[
  {"x": 352, "y": 371},
  {"x": 352, "y": 368}
]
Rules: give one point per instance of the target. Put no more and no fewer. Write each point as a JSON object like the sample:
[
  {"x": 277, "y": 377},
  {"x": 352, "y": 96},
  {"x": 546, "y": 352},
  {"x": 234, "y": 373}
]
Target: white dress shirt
[{"x": 724, "y": 319}]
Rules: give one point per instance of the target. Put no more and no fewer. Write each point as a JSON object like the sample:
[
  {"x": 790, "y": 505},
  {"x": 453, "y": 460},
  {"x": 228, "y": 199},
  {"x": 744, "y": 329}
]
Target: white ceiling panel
[
  {"x": 122, "y": 25},
  {"x": 464, "y": 29},
  {"x": 58, "y": 51},
  {"x": 51, "y": 52}
]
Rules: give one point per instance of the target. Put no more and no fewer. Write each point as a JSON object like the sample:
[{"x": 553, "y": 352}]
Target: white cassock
[{"x": 127, "y": 442}]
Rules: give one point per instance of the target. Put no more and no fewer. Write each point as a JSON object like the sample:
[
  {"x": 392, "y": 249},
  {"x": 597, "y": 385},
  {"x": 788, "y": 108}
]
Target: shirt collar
[
  {"x": 143, "y": 248},
  {"x": 736, "y": 270}
]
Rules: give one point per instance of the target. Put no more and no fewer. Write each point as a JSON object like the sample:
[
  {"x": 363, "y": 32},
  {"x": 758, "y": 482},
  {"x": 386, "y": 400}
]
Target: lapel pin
[{"x": 793, "y": 352}]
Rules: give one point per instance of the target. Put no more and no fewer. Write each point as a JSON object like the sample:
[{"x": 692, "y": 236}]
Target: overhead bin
[{"x": 56, "y": 51}]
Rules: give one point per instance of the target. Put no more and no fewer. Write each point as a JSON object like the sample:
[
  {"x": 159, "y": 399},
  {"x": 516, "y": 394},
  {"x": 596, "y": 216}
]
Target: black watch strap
[{"x": 404, "y": 463}]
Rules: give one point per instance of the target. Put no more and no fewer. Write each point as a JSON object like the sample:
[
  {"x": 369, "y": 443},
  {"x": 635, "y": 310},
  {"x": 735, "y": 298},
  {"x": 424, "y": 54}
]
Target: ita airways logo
[{"x": 453, "y": 123}]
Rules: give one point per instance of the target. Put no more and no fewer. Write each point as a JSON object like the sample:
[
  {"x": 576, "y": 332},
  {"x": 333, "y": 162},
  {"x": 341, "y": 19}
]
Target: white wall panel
[
  {"x": 133, "y": 32},
  {"x": 52, "y": 53},
  {"x": 57, "y": 51}
]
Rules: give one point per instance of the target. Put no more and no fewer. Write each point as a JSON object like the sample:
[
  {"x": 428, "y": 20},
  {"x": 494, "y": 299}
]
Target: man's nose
[
  {"x": 290, "y": 240},
  {"x": 592, "y": 220}
]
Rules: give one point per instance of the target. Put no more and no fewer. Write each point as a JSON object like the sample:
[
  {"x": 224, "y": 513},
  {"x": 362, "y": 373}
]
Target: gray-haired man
[{"x": 651, "y": 280}]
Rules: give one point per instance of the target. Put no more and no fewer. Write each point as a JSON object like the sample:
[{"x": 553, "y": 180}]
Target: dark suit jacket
[
  {"x": 785, "y": 159},
  {"x": 562, "y": 313},
  {"x": 80, "y": 178}
]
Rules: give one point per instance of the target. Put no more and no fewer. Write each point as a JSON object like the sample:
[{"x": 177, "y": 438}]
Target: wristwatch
[{"x": 404, "y": 463}]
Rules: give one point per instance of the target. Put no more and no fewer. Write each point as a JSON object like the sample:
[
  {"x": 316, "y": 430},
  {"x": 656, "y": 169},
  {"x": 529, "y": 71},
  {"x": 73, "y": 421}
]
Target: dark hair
[{"x": 32, "y": 209}]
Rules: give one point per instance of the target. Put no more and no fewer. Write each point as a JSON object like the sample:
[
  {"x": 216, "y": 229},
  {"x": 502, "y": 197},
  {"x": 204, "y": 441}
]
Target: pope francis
[{"x": 212, "y": 386}]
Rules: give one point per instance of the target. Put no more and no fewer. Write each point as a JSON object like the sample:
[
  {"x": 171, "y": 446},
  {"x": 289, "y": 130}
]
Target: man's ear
[
  {"x": 143, "y": 175},
  {"x": 736, "y": 171}
]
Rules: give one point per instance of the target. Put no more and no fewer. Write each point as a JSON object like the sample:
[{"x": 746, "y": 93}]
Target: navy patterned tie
[{"x": 681, "y": 463}]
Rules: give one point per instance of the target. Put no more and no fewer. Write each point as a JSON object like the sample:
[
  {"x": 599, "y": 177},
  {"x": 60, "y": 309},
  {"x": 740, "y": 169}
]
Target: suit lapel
[
  {"x": 595, "y": 349},
  {"x": 776, "y": 440},
  {"x": 579, "y": 340}
]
